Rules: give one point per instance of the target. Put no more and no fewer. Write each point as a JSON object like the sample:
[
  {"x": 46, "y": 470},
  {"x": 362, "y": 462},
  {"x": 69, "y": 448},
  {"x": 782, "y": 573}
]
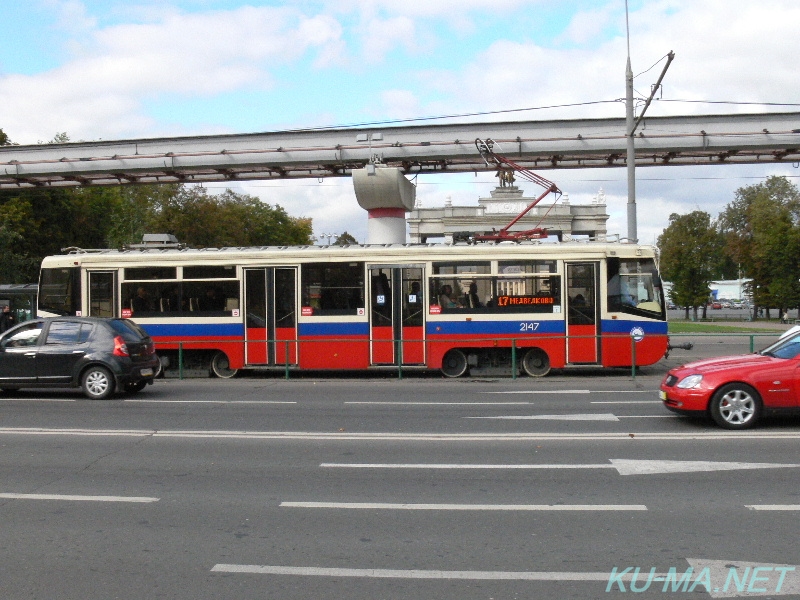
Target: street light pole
[
  {"x": 630, "y": 160},
  {"x": 630, "y": 129}
]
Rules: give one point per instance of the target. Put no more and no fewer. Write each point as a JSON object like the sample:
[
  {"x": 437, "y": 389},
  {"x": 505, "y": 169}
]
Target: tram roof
[{"x": 397, "y": 252}]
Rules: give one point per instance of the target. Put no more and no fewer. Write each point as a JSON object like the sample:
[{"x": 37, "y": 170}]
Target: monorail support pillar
[{"x": 387, "y": 196}]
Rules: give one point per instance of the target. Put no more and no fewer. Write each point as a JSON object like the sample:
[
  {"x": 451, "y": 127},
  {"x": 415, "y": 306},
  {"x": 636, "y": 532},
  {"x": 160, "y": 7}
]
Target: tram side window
[
  {"x": 59, "y": 290},
  {"x": 497, "y": 295},
  {"x": 511, "y": 267},
  {"x": 210, "y": 298},
  {"x": 332, "y": 288},
  {"x": 180, "y": 298},
  {"x": 523, "y": 293},
  {"x": 528, "y": 286},
  {"x": 461, "y": 286},
  {"x": 150, "y": 273},
  {"x": 634, "y": 287}
]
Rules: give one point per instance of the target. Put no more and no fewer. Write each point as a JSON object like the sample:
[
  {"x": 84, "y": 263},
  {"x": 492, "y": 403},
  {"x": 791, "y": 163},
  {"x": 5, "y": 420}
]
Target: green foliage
[
  {"x": 691, "y": 255},
  {"x": 762, "y": 231},
  {"x": 41, "y": 221},
  {"x": 200, "y": 219},
  {"x": 345, "y": 239},
  {"x": 16, "y": 266},
  {"x": 4, "y": 141}
]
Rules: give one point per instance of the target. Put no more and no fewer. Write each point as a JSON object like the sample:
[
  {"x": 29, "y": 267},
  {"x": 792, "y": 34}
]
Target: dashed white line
[
  {"x": 146, "y": 401},
  {"x": 72, "y": 497},
  {"x": 487, "y": 507},
  {"x": 711, "y": 434},
  {"x": 415, "y": 573},
  {"x": 439, "y": 403},
  {"x": 626, "y": 402},
  {"x": 583, "y": 417},
  {"x": 541, "y": 392}
]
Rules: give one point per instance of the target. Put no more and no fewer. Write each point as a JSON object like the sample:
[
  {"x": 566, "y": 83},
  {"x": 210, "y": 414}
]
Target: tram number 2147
[{"x": 528, "y": 326}]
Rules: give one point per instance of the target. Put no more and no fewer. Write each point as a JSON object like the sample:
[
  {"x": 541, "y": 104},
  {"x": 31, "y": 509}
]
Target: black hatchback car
[{"x": 101, "y": 356}]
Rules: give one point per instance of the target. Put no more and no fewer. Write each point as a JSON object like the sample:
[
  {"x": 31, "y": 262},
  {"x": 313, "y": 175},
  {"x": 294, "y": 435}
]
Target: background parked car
[{"x": 101, "y": 356}]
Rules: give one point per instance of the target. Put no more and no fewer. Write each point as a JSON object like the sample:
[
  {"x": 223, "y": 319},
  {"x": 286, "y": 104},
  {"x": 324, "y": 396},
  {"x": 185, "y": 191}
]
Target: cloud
[
  {"x": 384, "y": 34},
  {"x": 100, "y": 91},
  {"x": 72, "y": 16},
  {"x": 586, "y": 27}
]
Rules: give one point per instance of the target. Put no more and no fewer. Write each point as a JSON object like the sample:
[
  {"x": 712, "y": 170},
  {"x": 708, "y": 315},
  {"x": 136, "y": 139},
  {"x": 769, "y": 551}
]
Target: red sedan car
[{"x": 736, "y": 390}]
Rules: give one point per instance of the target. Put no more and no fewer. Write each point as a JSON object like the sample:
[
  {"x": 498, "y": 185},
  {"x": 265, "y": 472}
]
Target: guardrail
[{"x": 513, "y": 344}]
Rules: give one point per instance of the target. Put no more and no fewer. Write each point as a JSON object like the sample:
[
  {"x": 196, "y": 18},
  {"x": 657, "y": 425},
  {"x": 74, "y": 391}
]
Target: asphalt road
[{"x": 377, "y": 488}]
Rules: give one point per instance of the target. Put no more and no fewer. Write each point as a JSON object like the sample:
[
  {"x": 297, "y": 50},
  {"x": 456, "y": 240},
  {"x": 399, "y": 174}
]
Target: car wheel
[
  {"x": 536, "y": 363},
  {"x": 221, "y": 366},
  {"x": 735, "y": 406},
  {"x": 133, "y": 387},
  {"x": 97, "y": 383},
  {"x": 454, "y": 363}
]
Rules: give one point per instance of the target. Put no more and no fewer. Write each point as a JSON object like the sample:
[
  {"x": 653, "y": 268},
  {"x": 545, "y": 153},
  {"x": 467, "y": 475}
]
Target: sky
[{"x": 121, "y": 69}]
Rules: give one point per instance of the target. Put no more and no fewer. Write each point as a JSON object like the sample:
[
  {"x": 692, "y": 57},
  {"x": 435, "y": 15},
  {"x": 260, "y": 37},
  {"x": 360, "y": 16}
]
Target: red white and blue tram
[{"x": 458, "y": 308}]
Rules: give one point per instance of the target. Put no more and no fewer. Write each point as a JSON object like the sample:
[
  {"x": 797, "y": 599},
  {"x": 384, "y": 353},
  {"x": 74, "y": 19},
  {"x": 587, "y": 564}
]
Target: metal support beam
[{"x": 535, "y": 145}]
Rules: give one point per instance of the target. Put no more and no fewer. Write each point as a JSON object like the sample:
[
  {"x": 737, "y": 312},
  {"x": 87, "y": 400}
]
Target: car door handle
[
  {"x": 79, "y": 352},
  {"x": 30, "y": 354}
]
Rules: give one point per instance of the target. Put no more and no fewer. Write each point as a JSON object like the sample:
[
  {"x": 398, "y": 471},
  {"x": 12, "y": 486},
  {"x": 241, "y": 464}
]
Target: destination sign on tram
[{"x": 525, "y": 300}]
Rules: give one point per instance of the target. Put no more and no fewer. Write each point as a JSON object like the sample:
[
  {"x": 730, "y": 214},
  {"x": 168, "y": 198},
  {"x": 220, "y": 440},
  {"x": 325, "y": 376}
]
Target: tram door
[
  {"x": 102, "y": 293},
  {"x": 397, "y": 318},
  {"x": 270, "y": 315},
  {"x": 583, "y": 341}
]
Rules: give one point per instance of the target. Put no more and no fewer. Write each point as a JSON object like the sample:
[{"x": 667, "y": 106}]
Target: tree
[
  {"x": 135, "y": 211},
  {"x": 200, "y": 219},
  {"x": 4, "y": 141},
  {"x": 762, "y": 231},
  {"x": 691, "y": 255},
  {"x": 345, "y": 239}
]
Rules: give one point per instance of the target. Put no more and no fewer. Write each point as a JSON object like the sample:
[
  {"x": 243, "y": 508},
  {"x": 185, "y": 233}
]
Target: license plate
[
  {"x": 662, "y": 394},
  {"x": 146, "y": 372}
]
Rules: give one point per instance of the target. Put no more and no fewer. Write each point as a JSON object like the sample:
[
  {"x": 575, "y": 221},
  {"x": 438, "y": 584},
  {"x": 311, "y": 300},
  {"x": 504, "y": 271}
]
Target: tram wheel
[
  {"x": 454, "y": 363},
  {"x": 221, "y": 367},
  {"x": 536, "y": 363}
]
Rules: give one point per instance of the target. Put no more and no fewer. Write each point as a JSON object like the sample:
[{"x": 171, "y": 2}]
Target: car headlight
[{"x": 690, "y": 381}]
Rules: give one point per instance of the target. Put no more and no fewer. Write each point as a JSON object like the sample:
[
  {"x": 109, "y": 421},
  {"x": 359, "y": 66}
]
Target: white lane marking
[
  {"x": 454, "y": 466},
  {"x": 713, "y": 574},
  {"x": 706, "y": 435},
  {"x": 541, "y": 392},
  {"x": 645, "y": 416},
  {"x": 623, "y": 466},
  {"x": 626, "y": 402},
  {"x": 441, "y": 403},
  {"x": 488, "y": 507},
  {"x": 773, "y": 506},
  {"x": 417, "y": 573},
  {"x": 585, "y": 417},
  {"x": 37, "y": 400},
  {"x": 555, "y": 392},
  {"x": 640, "y": 467},
  {"x": 737, "y": 579},
  {"x": 72, "y": 497},
  {"x": 146, "y": 401},
  {"x": 655, "y": 391}
]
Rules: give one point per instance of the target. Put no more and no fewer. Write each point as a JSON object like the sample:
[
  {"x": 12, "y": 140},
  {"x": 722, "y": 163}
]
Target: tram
[{"x": 459, "y": 308}]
